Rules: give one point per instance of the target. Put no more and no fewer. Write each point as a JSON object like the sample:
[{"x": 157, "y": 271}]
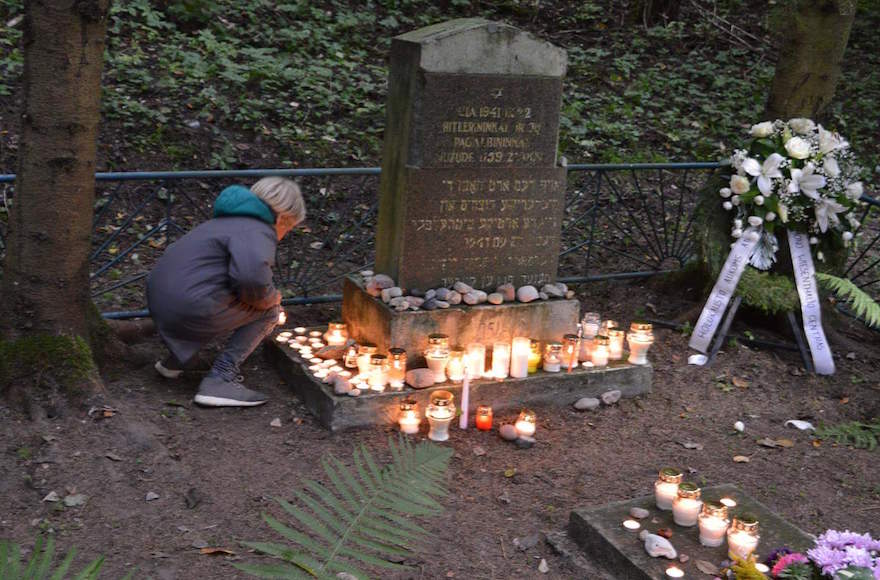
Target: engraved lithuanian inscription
[{"x": 488, "y": 121}]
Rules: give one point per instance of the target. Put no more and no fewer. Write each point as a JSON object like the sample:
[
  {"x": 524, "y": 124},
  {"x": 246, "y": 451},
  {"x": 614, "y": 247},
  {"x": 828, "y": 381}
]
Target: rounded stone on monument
[
  {"x": 508, "y": 291},
  {"x": 415, "y": 301},
  {"x": 420, "y": 378},
  {"x": 443, "y": 293},
  {"x": 442, "y": 304},
  {"x": 430, "y": 294},
  {"x": 495, "y": 298},
  {"x": 543, "y": 296},
  {"x": 454, "y": 298},
  {"x": 430, "y": 304},
  {"x": 382, "y": 281},
  {"x": 389, "y": 293},
  {"x": 481, "y": 296},
  {"x": 508, "y": 432},
  {"x": 462, "y": 288},
  {"x": 553, "y": 290},
  {"x": 471, "y": 298},
  {"x": 527, "y": 294}
]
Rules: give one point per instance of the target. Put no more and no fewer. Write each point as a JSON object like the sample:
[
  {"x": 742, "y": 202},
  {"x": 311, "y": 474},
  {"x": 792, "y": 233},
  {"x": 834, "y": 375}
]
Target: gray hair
[{"x": 282, "y": 195}]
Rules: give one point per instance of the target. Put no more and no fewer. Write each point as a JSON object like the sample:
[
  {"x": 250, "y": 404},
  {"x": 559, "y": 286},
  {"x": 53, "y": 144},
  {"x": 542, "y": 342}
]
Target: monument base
[
  {"x": 371, "y": 320},
  {"x": 600, "y": 534},
  {"x": 337, "y": 412}
]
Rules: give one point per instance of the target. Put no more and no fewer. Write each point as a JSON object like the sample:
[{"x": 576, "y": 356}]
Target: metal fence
[{"x": 621, "y": 221}]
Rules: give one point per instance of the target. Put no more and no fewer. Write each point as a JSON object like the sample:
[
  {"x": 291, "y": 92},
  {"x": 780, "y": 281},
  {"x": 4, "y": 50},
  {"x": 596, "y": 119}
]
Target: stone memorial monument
[{"x": 471, "y": 193}]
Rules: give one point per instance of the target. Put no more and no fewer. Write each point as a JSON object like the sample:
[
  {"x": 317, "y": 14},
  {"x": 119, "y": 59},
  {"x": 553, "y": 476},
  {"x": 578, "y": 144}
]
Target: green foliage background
[{"x": 303, "y": 82}]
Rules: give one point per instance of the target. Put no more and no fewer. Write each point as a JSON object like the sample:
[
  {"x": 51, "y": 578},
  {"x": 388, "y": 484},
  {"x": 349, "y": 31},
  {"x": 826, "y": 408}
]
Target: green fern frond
[
  {"x": 863, "y": 306},
  {"x": 859, "y": 435},
  {"x": 39, "y": 566},
  {"x": 362, "y": 517}
]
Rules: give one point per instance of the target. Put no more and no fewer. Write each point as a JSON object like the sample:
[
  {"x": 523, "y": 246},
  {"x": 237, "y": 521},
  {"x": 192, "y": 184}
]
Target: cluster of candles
[
  {"x": 711, "y": 517},
  {"x": 599, "y": 341},
  {"x": 441, "y": 411}
]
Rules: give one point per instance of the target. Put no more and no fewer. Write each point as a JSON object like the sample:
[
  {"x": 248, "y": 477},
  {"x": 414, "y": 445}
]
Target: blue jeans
[{"x": 243, "y": 342}]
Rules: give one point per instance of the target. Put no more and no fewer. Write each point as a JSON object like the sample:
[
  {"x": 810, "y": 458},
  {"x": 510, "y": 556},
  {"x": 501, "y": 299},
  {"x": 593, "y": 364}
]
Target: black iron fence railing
[{"x": 621, "y": 221}]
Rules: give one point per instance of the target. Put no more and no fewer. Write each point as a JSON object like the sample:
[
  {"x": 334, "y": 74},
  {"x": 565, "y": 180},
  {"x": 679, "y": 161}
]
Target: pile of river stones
[{"x": 383, "y": 287}]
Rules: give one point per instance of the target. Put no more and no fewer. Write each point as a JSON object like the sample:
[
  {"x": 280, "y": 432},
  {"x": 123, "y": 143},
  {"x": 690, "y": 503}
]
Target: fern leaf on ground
[
  {"x": 863, "y": 306},
  {"x": 362, "y": 517}
]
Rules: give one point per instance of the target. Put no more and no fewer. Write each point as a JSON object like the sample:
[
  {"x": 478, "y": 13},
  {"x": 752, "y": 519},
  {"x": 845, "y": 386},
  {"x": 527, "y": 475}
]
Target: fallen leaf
[
  {"x": 222, "y": 551},
  {"x": 816, "y": 443},
  {"x": 52, "y": 496},
  {"x": 741, "y": 383},
  {"x": 276, "y": 422},
  {"x": 707, "y": 568},
  {"x": 741, "y": 459},
  {"x": 510, "y": 472},
  {"x": 785, "y": 442},
  {"x": 767, "y": 442},
  {"x": 75, "y": 500},
  {"x": 844, "y": 400},
  {"x": 112, "y": 457},
  {"x": 479, "y": 451},
  {"x": 543, "y": 568},
  {"x": 691, "y": 445}
]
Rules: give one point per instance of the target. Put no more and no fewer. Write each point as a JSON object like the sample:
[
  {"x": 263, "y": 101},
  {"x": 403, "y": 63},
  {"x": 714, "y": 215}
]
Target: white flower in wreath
[
  {"x": 759, "y": 200},
  {"x": 801, "y": 125},
  {"x": 739, "y": 184},
  {"x": 769, "y": 216},
  {"x": 826, "y": 213},
  {"x": 765, "y": 172},
  {"x": 738, "y": 224},
  {"x": 735, "y": 200},
  {"x": 832, "y": 169},
  {"x": 853, "y": 222},
  {"x": 798, "y": 148},
  {"x": 814, "y": 240},
  {"x": 854, "y": 190},
  {"x": 762, "y": 130},
  {"x": 725, "y": 192},
  {"x": 806, "y": 181},
  {"x": 727, "y": 205},
  {"x": 755, "y": 221},
  {"x": 847, "y": 238},
  {"x": 737, "y": 233},
  {"x": 829, "y": 141}
]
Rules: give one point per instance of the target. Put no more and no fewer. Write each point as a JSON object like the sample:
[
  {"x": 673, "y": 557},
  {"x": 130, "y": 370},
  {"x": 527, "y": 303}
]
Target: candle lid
[
  {"x": 745, "y": 522},
  {"x": 601, "y": 340},
  {"x": 641, "y": 326},
  {"x": 484, "y": 410},
  {"x": 671, "y": 475},
  {"x": 336, "y": 326},
  {"x": 613, "y": 332},
  {"x": 441, "y": 398},
  {"x": 715, "y": 508},
  {"x": 408, "y": 405},
  {"x": 377, "y": 359},
  {"x": 688, "y": 490},
  {"x": 367, "y": 348},
  {"x": 397, "y": 353},
  {"x": 527, "y": 415},
  {"x": 570, "y": 338},
  {"x": 456, "y": 351},
  {"x": 437, "y": 338},
  {"x": 609, "y": 324},
  {"x": 554, "y": 345}
]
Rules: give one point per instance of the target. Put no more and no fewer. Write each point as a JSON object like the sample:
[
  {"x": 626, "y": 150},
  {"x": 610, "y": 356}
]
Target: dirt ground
[{"x": 215, "y": 471}]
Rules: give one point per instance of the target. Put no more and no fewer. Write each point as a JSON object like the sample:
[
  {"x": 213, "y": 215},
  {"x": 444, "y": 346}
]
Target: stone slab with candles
[
  {"x": 562, "y": 389},
  {"x": 602, "y": 534}
]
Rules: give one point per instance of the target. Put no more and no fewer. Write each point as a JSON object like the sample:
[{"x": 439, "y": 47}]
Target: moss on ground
[{"x": 62, "y": 359}]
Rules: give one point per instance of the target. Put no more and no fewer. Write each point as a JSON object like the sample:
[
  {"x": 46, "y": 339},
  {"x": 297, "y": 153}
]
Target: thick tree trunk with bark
[
  {"x": 46, "y": 275},
  {"x": 812, "y": 39}
]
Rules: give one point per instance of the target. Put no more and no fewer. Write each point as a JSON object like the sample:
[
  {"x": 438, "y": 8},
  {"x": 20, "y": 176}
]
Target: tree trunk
[
  {"x": 46, "y": 276},
  {"x": 813, "y": 35}
]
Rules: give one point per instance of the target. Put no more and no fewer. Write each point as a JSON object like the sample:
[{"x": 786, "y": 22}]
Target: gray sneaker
[{"x": 215, "y": 391}]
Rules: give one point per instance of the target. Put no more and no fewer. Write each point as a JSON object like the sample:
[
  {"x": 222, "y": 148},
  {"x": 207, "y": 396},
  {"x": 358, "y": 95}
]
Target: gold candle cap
[
  {"x": 367, "y": 348},
  {"x": 408, "y": 405},
  {"x": 641, "y": 326},
  {"x": 456, "y": 350},
  {"x": 746, "y": 522},
  {"x": 671, "y": 475},
  {"x": 688, "y": 490},
  {"x": 378, "y": 359},
  {"x": 527, "y": 415},
  {"x": 570, "y": 337},
  {"x": 396, "y": 353},
  {"x": 615, "y": 333},
  {"x": 441, "y": 398},
  {"x": 601, "y": 341},
  {"x": 716, "y": 509}
]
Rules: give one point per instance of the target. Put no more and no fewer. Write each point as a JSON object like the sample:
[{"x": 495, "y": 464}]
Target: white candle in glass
[
  {"x": 315, "y": 333},
  {"x": 282, "y": 338},
  {"x": 476, "y": 354},
  {"x": 741, "y": 544},
  {"x": 524, "y": 428},
  {"x": 600, "y": 354},
  {"x": 300, "y": 330},
  {"x": 666, "y": 487},
  {"x": 302, "y": 339},
  {"x": 713, "y": 524},
  {"x": 519, "y": 358},
  {"x": 409, "y": 422},
  {"x": 501, "y": 360},
  {"x": 615, "y": 344},
  {"x": 687, "y": 505},
  {"x": 335, "y": 338}
]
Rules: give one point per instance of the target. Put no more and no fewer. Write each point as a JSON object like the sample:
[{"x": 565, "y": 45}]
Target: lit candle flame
[
  {"x": 674, "y": 572},
  {"x": 728, "y": 502},
  {"x": 282, "y": 317}
]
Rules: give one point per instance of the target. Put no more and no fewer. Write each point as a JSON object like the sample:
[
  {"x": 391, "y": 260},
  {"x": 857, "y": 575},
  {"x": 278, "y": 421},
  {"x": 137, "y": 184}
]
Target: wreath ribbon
[{"x": 808, "y": 292}]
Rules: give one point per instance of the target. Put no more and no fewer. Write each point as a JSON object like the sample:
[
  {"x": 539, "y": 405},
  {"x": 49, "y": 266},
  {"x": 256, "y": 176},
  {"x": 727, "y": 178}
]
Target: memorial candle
[
  {"x": 615, "y": 344},
  {"x": 315, "y": 333},
  {"x": 713, "y": 524},
  {"x": 571, "y": 350},
  {"x": 600, "y": 351},
  {"x": 336, "y": 334},
  {"x": 534, "y": 356},
  {"x": 666, "y": 487},
  {"x": 409, "y": 417},
  {"x": 378, "y": 372},
  {"x": 484, "y": 418},
  {"x": 519, "y": 358},
  {"x": 282, "y": 317},
  {"x": 675, "y": 572},
  {"x": 526, "y": 423},
  {"x": 742, "y": 537},
  {"x": 455, "y": 367},
  {"x": 476, "y": 354},
  {"x": 552, "y": 357},
  {"x": 437, "y": 356},
  {"x": 365, "y": 351},
  {"x": 397, "y": 368},
  {"x": 350, "y": 359},
  {"x": 687, "y": 504},
  {"x": 440, "y": 413},
  {"x": 500, "y": 360},
  {"x": 300, "y": 330}
]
